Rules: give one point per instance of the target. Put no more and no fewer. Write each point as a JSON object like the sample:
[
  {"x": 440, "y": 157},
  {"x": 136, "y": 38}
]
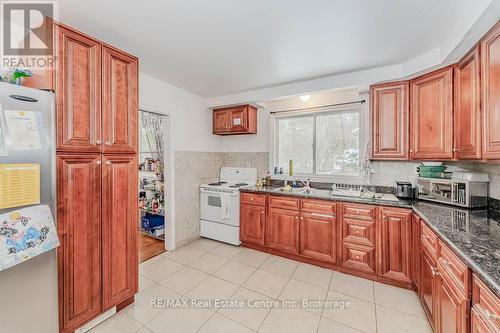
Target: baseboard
[
  {"x": 96, "y": 321},
  {"x": 187, "y": 240}
]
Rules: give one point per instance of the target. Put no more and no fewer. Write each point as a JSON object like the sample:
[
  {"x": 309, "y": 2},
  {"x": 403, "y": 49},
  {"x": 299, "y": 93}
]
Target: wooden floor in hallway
[{"x": 149, "y": 247}]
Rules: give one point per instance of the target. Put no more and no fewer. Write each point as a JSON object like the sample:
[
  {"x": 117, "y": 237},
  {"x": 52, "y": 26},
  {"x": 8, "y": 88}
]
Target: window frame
[{"x": 314, "y": 113}]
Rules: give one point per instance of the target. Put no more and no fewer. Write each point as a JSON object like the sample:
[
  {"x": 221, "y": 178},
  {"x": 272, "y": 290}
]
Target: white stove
[{"x": 220, "y": 204}]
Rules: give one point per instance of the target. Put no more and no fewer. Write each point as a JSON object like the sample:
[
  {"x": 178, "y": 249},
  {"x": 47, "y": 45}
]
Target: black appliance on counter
[{"x": 404, "y": 190}]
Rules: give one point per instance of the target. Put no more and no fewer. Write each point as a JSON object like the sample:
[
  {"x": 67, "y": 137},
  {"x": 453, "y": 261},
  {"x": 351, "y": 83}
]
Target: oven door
[{"x": 211, "y": 207}]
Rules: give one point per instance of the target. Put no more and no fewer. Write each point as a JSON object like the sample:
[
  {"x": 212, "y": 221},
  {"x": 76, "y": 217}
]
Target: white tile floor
[{"x": 205, "y": 269}]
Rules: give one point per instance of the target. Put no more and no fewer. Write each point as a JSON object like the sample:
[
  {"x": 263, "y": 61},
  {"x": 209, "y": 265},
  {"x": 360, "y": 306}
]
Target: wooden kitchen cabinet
[
  {"x": 120, "y": 106},
  {"x": 468, "y": 120},
  {"x": 78, "y": 92},
  {"x": 119, "y": 228},
  {"x": 452, "y": 293},
  {"x": 490, "y": 86},
  {"x": 241, "y": 119},
  {"x": 485, "y": 308},
  {"x": 359, "y": 237},
  {"x": 389, "y": 115},
  {"x": 415, "y": 251},
  {"x": 395, "y": 243},
  {"x": 283, "y": 230},
  {"x": 431, "y": 116},
  {"x": 427, "y": 291},
  {"x": 79, "y": 229},
  {"x": 318, "y": 236},
  {"x": 252, "y": 224},
  {"x": 97, "y": 193}
]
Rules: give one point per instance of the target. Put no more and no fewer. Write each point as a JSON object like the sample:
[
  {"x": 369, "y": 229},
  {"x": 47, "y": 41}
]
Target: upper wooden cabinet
[
  {"x": 119, "y": 228},
  {"x": 87, "y": 74},
  {"x": 395, "y": 243},
  {"x": 241, "y": 119},
  {"x": 78, "y": 92},
  {"x": 490, "y": 78},
  {"x": 389, "y": 115},
  {"x": 431, "y": 116},
  {"x": 120, "y": 107},
  {"x": 467, "y": 111}
]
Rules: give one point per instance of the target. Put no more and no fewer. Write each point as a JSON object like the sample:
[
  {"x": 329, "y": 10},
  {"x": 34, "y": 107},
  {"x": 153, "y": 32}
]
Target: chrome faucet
[{"x": 306, "y": 183}]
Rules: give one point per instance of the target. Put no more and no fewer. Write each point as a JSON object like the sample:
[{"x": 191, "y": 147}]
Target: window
[{"x": 324, "y": 143}]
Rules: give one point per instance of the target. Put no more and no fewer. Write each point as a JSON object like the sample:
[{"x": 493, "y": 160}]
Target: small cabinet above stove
[{"x": 239, "y": 119}]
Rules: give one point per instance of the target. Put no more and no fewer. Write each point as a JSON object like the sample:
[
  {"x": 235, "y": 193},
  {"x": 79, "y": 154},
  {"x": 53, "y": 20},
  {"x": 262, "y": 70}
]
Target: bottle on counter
[
  {"x": 290, "y": 168},
  {"x": 268, "y": 179},
  {"x": 281, "y": 170}
]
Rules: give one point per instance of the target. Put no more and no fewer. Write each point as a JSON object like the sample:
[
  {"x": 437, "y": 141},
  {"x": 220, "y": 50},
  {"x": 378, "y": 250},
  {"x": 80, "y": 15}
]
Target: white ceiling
[{"x": 220, "y": 47}]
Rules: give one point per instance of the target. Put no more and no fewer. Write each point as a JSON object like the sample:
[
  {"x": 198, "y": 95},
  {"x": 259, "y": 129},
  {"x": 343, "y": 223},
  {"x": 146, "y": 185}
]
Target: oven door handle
[{"x": 218, "y": 192}]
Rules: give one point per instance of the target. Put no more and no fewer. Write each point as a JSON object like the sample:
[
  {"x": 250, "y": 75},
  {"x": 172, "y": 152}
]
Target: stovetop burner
[{"x": 217, "y": 184}]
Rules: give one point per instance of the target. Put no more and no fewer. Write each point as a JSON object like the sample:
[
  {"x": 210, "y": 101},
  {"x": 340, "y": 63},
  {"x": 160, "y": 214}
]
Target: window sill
[{"x": 322, "y": 178}]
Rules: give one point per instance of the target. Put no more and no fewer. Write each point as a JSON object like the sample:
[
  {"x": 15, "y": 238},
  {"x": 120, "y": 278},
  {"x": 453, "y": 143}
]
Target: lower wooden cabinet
[
  {"x": 318, "y": 236},
  {"x": 79, "y": 228},
  {"x": 451, "y": 306},
  {"x": 359, "y": 257},
  {"x": 485, "y": 308},
  {"x": 283, "y": 230},
  {"x": 119, "y": 228},
  {"x": 415, "y": 234},
  {"x": 427, "y": 291},
  {"x": 394, "y": 230},
  {"x": 253, "y": 224}
]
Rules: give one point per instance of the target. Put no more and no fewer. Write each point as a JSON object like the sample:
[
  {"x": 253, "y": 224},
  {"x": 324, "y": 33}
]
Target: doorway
[{"x": 152, "y": 222}]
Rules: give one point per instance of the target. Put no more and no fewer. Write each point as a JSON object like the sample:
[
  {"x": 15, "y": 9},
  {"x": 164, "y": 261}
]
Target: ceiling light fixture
[{"x": 305, "y": 98}]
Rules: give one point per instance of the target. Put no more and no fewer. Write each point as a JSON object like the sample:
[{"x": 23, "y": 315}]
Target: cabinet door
[
  {"x": 428, "y": 285},
  {"x": 467, "y": 107},
  {"x": 478, "y": 325},
  {"x": 283, "y": 230},
  {"x": 415, "y": 234},
  {"x": 79, "y": 228},
  {"x": 119, "y": 101},
  {"x": 451, "y": 307},
  {"x": 221, "y": 121},
  {"x": 389, "y": 109},
  {"x": 252, "y": 224},
  {"x": 490, "y": 74},
  {"x": 119, "y": 231},
  {"x": 431, "y": 109},
  {"x": 238, "y": 119},
  {"x": 395, "y": 243},
  {"x": 78, "y": 92},
  {"x": 318, "y": 236}
]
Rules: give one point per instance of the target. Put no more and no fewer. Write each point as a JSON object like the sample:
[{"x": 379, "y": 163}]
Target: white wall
[{"x": 190, "y": 121}]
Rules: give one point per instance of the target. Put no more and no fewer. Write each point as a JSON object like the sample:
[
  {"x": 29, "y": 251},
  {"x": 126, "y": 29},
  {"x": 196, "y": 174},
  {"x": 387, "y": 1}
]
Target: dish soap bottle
[{"x": 290, "y": 168}]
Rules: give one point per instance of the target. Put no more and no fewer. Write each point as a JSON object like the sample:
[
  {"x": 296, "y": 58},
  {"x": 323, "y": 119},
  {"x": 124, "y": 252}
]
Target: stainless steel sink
[{"x": 302, "y": 191}]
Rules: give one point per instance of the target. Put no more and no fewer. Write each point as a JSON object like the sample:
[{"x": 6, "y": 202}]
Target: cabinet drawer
[
  {"x": 253, "y": 199},
  {"x": 357, "y": 211},
  {"x": 454, "y": 267},
  {"x": 429, "y": 240},
  {"x": 283, "y": 202},
  {"x": 487, "y": 304},
  {"x": 318, "y": 206},
  {"x": 359, "y": 231},
  {"x": 358, "y": 257}
]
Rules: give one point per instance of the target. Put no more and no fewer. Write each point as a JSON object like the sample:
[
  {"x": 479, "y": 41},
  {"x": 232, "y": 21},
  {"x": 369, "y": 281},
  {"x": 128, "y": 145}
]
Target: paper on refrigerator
[
  {"x": 24, "y": 129},
  {"x": 26, "y": 233}
]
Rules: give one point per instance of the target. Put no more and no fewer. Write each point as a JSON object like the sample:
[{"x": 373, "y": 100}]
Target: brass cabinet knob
[
  {"x": 108, "y": 143},
  {"x": 98, "y": 142},
  {"x": 98, "y": 162},
  {"x": 108, "y": 162}
]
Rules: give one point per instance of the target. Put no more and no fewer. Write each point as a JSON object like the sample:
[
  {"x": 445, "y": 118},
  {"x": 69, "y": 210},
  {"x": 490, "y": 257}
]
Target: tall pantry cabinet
[{"x": 96, "y": 111}]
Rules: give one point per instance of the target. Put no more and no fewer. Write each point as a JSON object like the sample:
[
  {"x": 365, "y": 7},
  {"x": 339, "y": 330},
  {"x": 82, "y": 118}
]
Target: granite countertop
[{"x": 474, "y": 235}]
